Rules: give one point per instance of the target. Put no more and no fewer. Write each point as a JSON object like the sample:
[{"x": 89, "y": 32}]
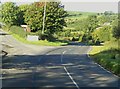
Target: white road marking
[
  {"x": 106, "y": 70},
  {"x": 67, "y": 70},
  {"x": 71, "y": 78},
  {"x": 24, "y": 53},
  {"x": 98, "y": 64},
  {"x": 47, "y": 54},
  {"x": 62, "y": 56},
  {"x": 64, "y": 52}
]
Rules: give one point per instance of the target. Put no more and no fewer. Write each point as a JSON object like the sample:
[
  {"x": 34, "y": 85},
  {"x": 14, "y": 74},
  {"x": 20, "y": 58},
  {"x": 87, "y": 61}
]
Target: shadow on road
[
  {"x": 4, "y": 34},
  {"x": 48, "y": 71},
  {"x": 73, "y": 43}
]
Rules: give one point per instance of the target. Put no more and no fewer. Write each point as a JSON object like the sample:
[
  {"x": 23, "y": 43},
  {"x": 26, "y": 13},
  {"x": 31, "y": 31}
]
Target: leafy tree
[
  {"x": 108, "y": 13},
  {"x": 54, "y": 20},
  {"x": 22, "y": 9},
  {"x": 103, "y": 34},
  {"x": 106, "y": 18},
  {"x": 116, "y": 30},
  {"x": 55, "y": 15},
  {"x": 92, "y": 23},
  {"x": 33, "y": 16},
  {"x": 9, "y": 13}
]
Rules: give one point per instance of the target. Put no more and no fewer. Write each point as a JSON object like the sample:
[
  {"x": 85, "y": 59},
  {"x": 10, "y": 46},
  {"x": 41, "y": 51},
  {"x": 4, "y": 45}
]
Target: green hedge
[{"x": 19, "y": 31}]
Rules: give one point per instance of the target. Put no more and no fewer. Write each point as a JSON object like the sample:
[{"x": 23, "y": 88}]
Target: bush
[
  {"x": 75, "y": 39},
  {"x": 97, "y": 42},
  {"x": 90, "y": 42},
  {"x": 66, "y": 38},
  {"x": 103, "y": 34},
  {"x": 19, "y": 31},
  {"x": 43, "y": 36},
  {"x": 0, "y": 26}
]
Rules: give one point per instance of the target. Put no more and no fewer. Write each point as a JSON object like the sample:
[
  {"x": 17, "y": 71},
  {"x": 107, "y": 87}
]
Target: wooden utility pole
[{"x": 44, "y": 18}]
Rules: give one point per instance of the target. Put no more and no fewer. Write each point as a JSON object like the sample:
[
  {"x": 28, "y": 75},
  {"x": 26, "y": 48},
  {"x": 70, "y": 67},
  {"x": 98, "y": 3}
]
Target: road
[{"x": 67, "y": 66}]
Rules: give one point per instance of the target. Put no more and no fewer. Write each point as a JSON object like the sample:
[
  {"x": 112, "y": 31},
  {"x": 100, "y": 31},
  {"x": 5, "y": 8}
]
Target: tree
[
  {"x": 9, "y": 13},
  {"x": 103, "y": 34},
  {"x": 116, "y": 30},
  {"x": 108, "y": 13},
  {"x": 22, "y": 9},
  {"x": 92, "y": 23},
  {"x": 33, "y": 16},
  {"x": 54, "y": 20},
  {"x": 55, "y": 15}
]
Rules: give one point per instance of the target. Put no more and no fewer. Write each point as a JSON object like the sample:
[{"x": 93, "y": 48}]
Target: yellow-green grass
[
  {"x": 107, "y": 56},
  {"x": 19, "y": 37},
  {"x": 40, "y": 42},
  {"x": 106, "y": 46}
]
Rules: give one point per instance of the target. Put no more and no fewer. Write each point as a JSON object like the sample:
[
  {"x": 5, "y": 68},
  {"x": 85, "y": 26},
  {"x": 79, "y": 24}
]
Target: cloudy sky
[
  {"x": 92, "y": 6},
  {"x": 81, "y": 5}
]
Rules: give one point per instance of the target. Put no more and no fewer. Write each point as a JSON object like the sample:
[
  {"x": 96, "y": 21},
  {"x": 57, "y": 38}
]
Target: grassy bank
[
  {"x": 19, "y": 34},
  {"x": 40, "y": 42},
  {"x": 107, "y": 56}
]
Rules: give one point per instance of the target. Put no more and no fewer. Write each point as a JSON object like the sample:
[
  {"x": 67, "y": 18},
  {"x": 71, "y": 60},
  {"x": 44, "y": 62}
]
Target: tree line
[
  {"x": 93, "y": 29},
  {"x": 85, "y": 29},
  {"x": 32, "y": 15}
]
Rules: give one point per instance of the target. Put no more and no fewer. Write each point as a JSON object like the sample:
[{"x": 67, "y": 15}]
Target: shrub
[
  {"x": 19, "y": 31},
  {"x": 90, "y": 42},
  {"x": 75, "y": 39},
  {"x": 80, "y": 38},
  {"x": 103, "y": 34},
  {"x": 97, "y": 42},
  {"x": 0, "y": 26}
]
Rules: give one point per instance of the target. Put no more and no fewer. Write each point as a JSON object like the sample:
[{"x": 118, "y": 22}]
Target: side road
[{"x": 14, "y": 47}]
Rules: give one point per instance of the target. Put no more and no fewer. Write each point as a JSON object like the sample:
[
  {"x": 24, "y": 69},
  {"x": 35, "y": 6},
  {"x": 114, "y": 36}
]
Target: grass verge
[
  {"x": 40, "y": 42},
  {"x": 19, "y": 34},
  {"x": 107, "y": 56}
]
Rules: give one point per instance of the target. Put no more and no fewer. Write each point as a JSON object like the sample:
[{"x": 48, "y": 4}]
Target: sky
[{"x": 81, "y": 5}]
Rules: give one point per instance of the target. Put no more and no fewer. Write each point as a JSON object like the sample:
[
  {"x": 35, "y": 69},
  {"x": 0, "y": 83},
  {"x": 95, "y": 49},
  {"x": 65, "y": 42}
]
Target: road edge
[{"x": 99, "y": 64}]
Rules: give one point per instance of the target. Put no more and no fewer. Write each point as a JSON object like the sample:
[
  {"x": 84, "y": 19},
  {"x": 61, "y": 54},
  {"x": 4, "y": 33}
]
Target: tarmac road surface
[{"x": 67, "y": 66}]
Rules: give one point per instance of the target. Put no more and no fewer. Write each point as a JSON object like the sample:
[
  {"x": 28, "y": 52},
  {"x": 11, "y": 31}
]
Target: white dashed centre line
[
  {"x": 68, "y": 72},
  {"x": 71, "y": 78},
  {"x": 62, "y": 56}
]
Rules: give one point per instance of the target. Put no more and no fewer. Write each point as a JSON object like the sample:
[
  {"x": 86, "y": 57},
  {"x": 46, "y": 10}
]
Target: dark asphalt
[{"x": 67, "y": 66}]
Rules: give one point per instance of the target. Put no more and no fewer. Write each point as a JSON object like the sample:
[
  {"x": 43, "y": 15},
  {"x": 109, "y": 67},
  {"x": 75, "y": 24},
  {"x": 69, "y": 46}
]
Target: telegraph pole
[{"x": 44, "y": 18}]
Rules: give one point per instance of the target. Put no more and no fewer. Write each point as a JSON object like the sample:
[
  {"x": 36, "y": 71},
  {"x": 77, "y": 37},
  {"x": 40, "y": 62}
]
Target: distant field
[
  {"x": 74, "y": 18},
  {"x": 78, "y": 15},
  {"x": 74, "y": 22}
]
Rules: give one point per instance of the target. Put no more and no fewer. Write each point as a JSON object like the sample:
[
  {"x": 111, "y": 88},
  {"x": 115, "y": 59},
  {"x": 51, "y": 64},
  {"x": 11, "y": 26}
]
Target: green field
[
  {"x": 75, "y": 22},
  {"x": 79, "y": 15}
]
